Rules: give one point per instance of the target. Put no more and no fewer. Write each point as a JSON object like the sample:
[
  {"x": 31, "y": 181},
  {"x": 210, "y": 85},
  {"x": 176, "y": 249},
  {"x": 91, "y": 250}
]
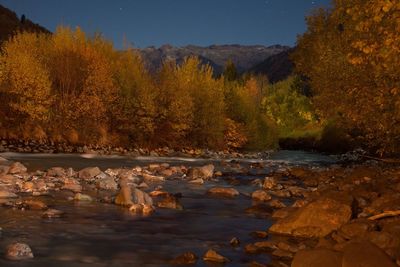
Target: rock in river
[
  {"x": 17, "y": 168},
  {"x": 107, "y": 183},
  {"x": 18, "y": 251},
  {"x": 316, "y": 219},
  {"x": 127, "y": 197},
  {"x": 223, "y": 191},
  {"x": 185, "y": 259},
  {"x": 169, "y": 201},
  {"x": 206, "y": 172},
  {"x": 212, "y": 255},
  {"x": 260, "y": 195},
  {"x": 89, "y": 173}
]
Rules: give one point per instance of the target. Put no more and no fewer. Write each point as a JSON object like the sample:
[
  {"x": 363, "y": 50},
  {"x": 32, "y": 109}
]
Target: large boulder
[
  {"x": 316, "y": 219},
  {"x": 320, "y": 257},
  {"x": 89, "y": 173},
  {"x": 205, "y": 172},
  {"x": 365, "y": 254}
]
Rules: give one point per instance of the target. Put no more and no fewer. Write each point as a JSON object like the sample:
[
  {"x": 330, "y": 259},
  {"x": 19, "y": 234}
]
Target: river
[{"x": 99, "y": 234}]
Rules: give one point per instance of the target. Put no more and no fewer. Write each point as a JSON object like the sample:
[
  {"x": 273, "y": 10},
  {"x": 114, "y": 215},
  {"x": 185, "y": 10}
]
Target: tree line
[{"x": 68, "y": 87}]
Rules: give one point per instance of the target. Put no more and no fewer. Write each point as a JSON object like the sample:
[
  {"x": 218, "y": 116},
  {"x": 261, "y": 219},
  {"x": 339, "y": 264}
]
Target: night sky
[{"x": 177, "y": 22}]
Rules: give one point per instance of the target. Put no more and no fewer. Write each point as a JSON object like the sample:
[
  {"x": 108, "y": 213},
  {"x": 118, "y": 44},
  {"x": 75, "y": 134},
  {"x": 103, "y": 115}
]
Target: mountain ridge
[
  {"x": 243, "y": 56},
  {"x": 259, "y": 59}
]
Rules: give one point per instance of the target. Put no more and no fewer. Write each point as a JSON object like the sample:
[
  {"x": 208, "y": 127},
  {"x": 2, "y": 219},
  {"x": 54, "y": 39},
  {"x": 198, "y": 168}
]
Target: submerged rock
[
  {"x": 18, "y": 251},
  {"x": 198, "y": 181},
  {"x": 52, "y": 213},
  {"x": 260, "y": 195},
  {"x": 35, "y": 204},
  {"x": 186, "y": 258},
  {"x": 82, "y": 197},
  {"x": 223, "y": 191},
  {"x": 169, "y": 201}
]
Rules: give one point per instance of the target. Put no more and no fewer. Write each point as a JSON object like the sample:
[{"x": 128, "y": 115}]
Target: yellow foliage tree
[
  {"x": 25, "y": 82},
  {"x": 351, "y": 54},
  {"x": 175, "y": 104}
]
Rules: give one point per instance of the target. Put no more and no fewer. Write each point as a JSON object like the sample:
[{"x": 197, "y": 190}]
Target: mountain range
[{"x": 272, "y": 61}]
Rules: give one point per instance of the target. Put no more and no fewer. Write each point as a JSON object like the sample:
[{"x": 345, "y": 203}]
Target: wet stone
[
  {"x": 17, "y": 168},
  {"x": 18, "y": 251},
  {"x": 260, "y": 195},
  {"x": 52, "y": 213},
  {"x": 213, "y": 256},
  {"x": 223, "y": 191},
  {"x": 234, "y": 242}
]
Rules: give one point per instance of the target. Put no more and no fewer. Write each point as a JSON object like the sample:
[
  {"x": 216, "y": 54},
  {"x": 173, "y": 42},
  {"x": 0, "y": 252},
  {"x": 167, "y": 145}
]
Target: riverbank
[
  {"x": 263, "y": 214},
  {"x": 32, "y": 146}
]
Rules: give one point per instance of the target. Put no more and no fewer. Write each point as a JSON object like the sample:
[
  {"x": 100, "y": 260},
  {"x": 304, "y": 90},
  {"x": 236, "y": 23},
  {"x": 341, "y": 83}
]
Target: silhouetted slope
[
  {"x": 10, "y": 23},
  {"x": 277, "y": 67}
]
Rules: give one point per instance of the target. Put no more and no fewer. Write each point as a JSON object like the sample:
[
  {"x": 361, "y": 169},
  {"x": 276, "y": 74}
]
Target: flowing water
[{"x": 98, "y": 234}]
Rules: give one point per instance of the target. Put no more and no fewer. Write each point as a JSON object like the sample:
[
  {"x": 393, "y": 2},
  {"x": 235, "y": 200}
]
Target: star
[
  {"x": 120, "y": 9},
  {"x": 313, "y": 2}
]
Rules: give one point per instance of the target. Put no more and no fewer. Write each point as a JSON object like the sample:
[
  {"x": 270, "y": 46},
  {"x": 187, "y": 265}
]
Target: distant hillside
[
  {"x": 244, "y": 57},
  {"x": 277, "y": 67},
  {"x": 11, "y": 23}
]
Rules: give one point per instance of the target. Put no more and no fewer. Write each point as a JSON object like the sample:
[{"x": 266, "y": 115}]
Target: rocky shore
[
  {"x": 337, "y": 216},
  {"x": 49, "y": 147}
]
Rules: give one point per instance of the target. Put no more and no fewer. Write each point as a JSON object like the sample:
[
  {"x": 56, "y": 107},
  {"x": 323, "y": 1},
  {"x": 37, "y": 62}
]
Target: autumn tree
[
  {"x": 208, "y": 103},
  {"x": 25, "y": 84},
  {"x": 350, "y": 54},
  {"x": 136, "y": 97},
  {"x": 175, "y": 104}
]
